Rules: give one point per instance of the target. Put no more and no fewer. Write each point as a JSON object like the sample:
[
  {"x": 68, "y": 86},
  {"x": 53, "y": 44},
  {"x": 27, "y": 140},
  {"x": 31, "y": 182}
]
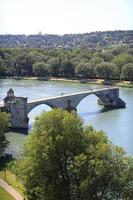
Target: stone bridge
[{"x": 19, "y": 107}]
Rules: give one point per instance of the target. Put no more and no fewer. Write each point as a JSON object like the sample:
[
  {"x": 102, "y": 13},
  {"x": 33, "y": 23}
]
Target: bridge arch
[
  {"x": 34, "y": 106},
  {"x": 84, "y": 96},
  {"x": 89, "y": 104},
  {"x": 36, "y": 111}
]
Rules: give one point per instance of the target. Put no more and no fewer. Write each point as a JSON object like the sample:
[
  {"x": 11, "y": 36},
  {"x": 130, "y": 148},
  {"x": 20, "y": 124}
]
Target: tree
[
  {"x": 127, "y": 72},
  {"x": 122, "y": 59},
  {"x": 37, "y": 56},
  {"x": 7, "y": 62},
  {"x": 4, "y": 123},
  {"x": 41, "y": 69},
  {"x": 54, "y": 66},
  {"x": 23, "y": 63},
  {"x": 106, "y": 55},
  {"x": 84, "y": 70},
  {"x": 66, "y": 66},
  {"x": 96, "y": 60},
  {"x": 1, "y": 66},
  {"x": 65, "y": 161},
  {"x": 106, "y": 70}
]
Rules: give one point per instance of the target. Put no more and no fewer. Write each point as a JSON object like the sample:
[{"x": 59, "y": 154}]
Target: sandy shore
[
  {"x": 119, "y": 83},
  {"x": 86, "y": 81}
]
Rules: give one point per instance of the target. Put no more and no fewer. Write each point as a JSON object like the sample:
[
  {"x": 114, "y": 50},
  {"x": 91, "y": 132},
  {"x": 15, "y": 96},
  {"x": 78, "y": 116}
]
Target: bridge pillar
[
  {"x": 17, "y": 108},
  {"x": 69, "y": 106},
  {"x": 110, "y": 98}
]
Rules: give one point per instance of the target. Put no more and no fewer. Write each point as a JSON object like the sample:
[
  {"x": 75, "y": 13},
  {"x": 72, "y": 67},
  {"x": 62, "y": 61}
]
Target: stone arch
[
  {"x": 99, "y": 96},
  {"x": 31, "y": 107},
  {"x": 36, "y": 111}
]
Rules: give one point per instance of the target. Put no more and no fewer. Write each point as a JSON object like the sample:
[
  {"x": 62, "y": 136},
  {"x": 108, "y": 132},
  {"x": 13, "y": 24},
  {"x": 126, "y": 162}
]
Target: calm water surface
[{"x": 117, "y": 123}]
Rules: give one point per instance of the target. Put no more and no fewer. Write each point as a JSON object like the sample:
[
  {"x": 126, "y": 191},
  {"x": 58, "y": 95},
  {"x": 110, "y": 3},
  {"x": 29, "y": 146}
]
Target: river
[{"x": 117, "y": 123}]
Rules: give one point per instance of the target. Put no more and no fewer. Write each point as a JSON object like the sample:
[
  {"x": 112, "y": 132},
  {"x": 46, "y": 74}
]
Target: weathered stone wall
[{"x": 17, "y": 107}]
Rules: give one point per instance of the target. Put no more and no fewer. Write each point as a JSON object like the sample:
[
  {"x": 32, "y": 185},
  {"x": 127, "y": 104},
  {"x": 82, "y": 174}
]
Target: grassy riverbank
[
  {"x": 5, "y": 195},
  {"x": 12, "y": 180}
]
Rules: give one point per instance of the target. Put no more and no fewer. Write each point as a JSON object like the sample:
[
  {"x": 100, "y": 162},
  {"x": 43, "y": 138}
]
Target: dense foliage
[
  {"x": 4, "y": 123},
  {"x": 127, "y": 72},
  {"x": 108, "y": 63},
  {"x": 65, "y": 161}
]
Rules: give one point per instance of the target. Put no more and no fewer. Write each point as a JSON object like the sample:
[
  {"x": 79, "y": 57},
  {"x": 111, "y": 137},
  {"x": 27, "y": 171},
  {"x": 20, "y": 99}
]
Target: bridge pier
[
  {"x": 111, "y": 99},
  {"x": 17, "y": 108},
  {"x": 116, "y": 103}
]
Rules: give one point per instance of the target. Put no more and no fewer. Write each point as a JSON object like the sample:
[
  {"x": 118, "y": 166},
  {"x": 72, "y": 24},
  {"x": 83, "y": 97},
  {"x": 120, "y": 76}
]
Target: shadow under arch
[
  {"x": 36, "y": 111},
  {"x": 89, "y": 106}
]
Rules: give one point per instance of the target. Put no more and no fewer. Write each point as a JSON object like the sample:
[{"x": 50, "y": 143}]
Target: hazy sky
[{"x": 64, "y": 16}]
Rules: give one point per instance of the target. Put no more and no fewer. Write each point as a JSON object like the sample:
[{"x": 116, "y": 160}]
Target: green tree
[
  {"x": 122, "y": 59},
  {"x": 54, "y": 66},
  {"x": 106, "y": 70},
  {"x": 41, "y": 69},
  {"x": 107, "y": 56},
  {"x": 96, "y": 60},
  {"x": 6, "y": 62},
  {"x": 23, "y": 63},
  {"x": 84, "y": 70},
  {"x": 66, "y": 66},
  {"x": 75, "y": 60},
  {"x": 4, "y": 123},
  {"x": 1, "y": 67},
  {"x": 127, "y": 72},
  {"x": 65, "y": 161},
  {"x": 37, "y": 56}
]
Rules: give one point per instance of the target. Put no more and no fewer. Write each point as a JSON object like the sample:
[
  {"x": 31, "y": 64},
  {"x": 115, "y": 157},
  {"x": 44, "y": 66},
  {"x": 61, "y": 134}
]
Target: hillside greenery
[{"x": 87, "y": 40}]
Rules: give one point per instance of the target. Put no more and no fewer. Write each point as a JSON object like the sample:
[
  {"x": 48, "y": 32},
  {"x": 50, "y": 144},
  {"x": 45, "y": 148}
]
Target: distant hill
[{"x": 89, "y": 40}]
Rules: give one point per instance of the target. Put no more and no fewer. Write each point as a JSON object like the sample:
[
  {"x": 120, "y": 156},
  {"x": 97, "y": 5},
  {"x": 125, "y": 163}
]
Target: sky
[{"x": 64, "y": 16}]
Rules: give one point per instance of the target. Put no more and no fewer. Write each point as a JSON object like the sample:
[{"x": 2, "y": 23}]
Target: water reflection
[{"x": 104, "y": 109}]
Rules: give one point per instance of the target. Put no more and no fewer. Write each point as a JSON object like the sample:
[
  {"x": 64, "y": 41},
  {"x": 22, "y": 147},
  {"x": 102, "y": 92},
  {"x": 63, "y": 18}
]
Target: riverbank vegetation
[
  {"x": 80, "y": 63},
  {"x": 62, "y": 160},
  {"x": 4, "y": 158},
  {"x": 4, "y": 124},
  {"x": 9, "y": 176}
]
